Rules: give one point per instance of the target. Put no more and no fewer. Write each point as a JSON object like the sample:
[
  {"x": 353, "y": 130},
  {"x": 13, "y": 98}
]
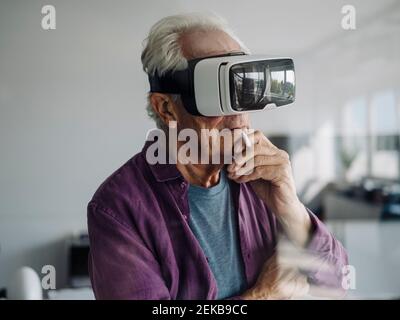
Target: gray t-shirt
[{"x": 213, "y": 220}]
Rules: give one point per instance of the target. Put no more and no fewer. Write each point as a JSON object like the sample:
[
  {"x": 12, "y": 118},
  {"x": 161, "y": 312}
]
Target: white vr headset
[{"x": 230, "y": 84}]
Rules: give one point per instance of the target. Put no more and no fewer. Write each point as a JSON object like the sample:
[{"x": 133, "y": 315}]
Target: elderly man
[{"x": 203, "y": 231}]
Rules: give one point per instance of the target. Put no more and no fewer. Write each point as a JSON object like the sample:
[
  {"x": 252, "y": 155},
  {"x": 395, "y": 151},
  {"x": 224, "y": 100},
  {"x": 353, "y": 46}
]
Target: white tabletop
[{"x": 374, "y": 250}]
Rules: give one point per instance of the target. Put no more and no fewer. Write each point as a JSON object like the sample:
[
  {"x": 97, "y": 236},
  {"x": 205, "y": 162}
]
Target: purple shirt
[{"x": 141, "y": 245}]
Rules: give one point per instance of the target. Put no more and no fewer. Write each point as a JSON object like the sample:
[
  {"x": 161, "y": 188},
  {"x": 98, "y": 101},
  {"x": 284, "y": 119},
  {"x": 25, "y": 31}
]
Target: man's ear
[{"x": 163, "y": 105}]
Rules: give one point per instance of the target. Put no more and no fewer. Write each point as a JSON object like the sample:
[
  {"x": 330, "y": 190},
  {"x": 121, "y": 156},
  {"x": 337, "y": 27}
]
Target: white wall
[
  {"x": 358, "y": 64},
  {"x": 72, "y": 101},
  {"x": 72, "y": 111}
]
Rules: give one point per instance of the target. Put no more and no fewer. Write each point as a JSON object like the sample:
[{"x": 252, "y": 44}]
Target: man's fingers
[
  {"x": 240, "y": 142},
  {"x": 302, "y": 287},
  {"x": 258, "y": 137},
  {"x": 291, "y": 256},
  {"x": 320, "y": 292},
  {"x": 291, "y": 285},
  {"x": 258, "y": 155},
  {"x": 244, "y": 166},
  {"x": 247, "y": 173},
  {"x": 255, "y": 139},
  {"x": 261, "y": 153}
]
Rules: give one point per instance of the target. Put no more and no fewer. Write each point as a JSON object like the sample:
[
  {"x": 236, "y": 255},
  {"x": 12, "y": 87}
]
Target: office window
[
  {"x": 353, "y": 145},
  {"x": 384, "y": 136}
]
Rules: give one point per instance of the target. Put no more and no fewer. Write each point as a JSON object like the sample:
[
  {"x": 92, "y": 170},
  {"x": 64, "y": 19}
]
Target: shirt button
[
  {"x": 183, "y": 184},
  {"x": 185, "y": 217}
]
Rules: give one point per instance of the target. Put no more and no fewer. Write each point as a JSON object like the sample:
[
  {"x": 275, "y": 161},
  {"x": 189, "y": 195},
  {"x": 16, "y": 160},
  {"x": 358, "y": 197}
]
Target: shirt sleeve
[
  {"x": 120, "y": 264},
  {"x": 331, "y": 255}
]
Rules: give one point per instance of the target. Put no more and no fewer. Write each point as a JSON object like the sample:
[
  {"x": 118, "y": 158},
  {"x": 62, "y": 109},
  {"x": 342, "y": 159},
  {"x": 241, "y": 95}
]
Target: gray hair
[{"x": 162, "y": 51}]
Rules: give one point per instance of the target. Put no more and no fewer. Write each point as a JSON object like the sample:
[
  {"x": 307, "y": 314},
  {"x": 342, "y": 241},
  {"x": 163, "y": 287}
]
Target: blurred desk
[
  {"x": 374, "y": 250},
  {"x": 71, "y": 294},
  {"x": 337, "y": 206}
]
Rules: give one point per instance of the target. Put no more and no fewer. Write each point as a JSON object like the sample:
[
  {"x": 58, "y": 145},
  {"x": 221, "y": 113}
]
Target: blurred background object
[
  {"x": 72, "y": 103},
  {"x": 24, "y": 285}
]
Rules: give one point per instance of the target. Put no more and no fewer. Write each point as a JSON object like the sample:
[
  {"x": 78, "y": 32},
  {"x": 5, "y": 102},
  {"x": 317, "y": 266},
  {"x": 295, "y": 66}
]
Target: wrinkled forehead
[{"x": 203, "y": 43}]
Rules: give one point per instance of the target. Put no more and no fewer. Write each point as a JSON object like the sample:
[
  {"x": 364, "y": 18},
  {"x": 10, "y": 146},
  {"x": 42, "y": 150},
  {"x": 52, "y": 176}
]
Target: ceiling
[{"x": 290, "y": 26}]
